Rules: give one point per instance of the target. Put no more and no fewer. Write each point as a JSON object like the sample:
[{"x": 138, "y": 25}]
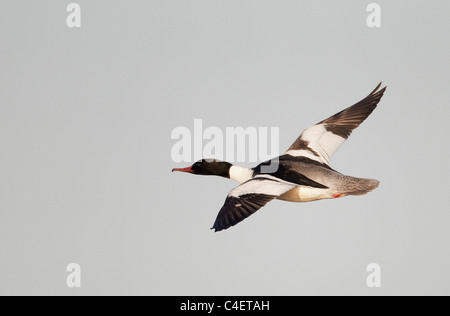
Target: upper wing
[
  {"x": 321, "y": 141},
  {"x": 247, "y": 198}
]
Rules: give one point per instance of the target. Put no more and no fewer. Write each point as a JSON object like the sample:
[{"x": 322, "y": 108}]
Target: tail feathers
[{"x": 360, "y": 186}]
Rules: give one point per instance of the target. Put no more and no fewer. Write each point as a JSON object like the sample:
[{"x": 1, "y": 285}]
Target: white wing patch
[
  {"x": 329, "y": 143},
  {"x": 260, "y": 185},
  {"x": 323, "y": 144}
]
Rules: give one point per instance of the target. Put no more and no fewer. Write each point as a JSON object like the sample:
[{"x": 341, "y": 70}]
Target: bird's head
[{"x": 208, "y": 167}]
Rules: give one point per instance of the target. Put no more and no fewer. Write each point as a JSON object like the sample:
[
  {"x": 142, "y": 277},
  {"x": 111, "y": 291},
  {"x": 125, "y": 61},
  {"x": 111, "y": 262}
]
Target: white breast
[{"x": 240, "y": 174}]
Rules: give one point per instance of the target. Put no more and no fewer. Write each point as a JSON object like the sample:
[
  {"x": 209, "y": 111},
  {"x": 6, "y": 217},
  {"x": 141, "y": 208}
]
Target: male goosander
[{"x": 302, "y": 174}]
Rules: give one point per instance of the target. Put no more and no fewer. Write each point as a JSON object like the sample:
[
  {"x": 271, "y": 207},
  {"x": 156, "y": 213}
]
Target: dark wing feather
[
  {"x": 247, "y": 198},
  {"x": 344, "y": 122},
  {"x": 236, "y": 209}
]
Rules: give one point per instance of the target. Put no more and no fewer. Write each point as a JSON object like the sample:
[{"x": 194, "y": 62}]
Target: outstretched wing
[
  {"x": 321, "y": 141},
  {"x": 249, "y": 197}
]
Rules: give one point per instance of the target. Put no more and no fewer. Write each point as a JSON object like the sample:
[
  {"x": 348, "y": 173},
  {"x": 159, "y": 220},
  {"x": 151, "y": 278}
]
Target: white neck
[{"x": 240, "y": 174}]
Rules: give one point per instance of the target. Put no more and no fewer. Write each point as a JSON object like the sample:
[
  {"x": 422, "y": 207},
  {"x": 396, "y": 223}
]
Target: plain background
[{"x": 86, "y": 117}]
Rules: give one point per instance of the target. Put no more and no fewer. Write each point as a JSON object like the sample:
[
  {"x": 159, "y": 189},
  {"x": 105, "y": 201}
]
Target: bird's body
[
  {"x": 336, "y": 184},
  {"x": 302, "y": 174}
]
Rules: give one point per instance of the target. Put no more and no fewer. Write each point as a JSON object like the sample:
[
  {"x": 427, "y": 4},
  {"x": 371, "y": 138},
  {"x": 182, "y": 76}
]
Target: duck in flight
[{"x": 301, "y": 174}]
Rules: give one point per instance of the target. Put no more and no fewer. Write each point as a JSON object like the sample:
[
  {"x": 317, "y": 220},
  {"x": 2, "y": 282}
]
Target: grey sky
[{"x": 86, "y": 117}]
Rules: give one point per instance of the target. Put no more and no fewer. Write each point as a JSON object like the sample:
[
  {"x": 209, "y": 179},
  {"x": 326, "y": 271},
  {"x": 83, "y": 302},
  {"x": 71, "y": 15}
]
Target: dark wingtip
[
  {"x": 378, "y": 87},
  {"x": 376, "y": 91},
  {"x": 376, "y": 95}
]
